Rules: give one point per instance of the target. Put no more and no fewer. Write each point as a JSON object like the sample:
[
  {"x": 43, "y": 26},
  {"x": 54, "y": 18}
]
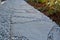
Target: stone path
[{"x": 26, "y": 21}]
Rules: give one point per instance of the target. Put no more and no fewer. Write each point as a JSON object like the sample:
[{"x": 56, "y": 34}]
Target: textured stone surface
[
  {"x": 4, "y": 25},
  {"x": 25, "y": 22}
]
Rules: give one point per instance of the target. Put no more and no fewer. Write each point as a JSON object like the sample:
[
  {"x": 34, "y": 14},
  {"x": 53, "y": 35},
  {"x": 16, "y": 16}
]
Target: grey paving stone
[{"x": 26, "y": 22}]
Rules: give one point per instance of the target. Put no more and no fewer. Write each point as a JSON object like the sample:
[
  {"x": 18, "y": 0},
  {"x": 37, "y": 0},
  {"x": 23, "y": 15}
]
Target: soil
[{"x": 55, "y": 17}]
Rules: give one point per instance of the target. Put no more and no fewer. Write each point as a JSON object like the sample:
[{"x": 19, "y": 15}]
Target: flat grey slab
[{"x": 27, "y": 21}]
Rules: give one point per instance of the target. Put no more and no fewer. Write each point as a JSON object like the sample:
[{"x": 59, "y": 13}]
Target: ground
[{"x": 24, "y": 20}]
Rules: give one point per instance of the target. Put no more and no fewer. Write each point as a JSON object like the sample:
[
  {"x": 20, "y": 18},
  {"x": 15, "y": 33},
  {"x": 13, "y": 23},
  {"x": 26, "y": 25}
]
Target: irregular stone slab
[
  {"x": 26, "y": 23},
  {"x": 29, "y": 22}
]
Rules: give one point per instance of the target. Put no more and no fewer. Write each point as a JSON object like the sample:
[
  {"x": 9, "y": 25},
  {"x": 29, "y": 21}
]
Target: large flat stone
[{"x": 26, "y": 20}]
